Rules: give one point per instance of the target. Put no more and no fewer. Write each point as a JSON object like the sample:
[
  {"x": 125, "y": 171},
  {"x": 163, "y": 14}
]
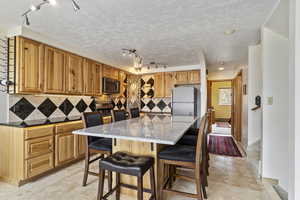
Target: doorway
[{"x": 220, "y": 102}]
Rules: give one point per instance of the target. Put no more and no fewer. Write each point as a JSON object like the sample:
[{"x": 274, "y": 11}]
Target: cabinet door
[
  {"x": 54, "y": 71},
  {"x": 38, "y": 146},
  {"x": 74, "y": 75},
  {"x": 181, "y": 77},
  {"x": 194, "y": 76},
  {"x": 88, "y": 77},
  {"x": 65, "y": 150},
  {"x": 159, "y": 85},
  {"x": 38, "y": 165},
  {"x": 81, "y": 145},
  {"x": 97, "y": 79},
  {"x": 115, "y": 73},
  {"x": 30, "y": 66},
  {"x": 169, "y": 83},
  {"x": 107, "y": 71}
]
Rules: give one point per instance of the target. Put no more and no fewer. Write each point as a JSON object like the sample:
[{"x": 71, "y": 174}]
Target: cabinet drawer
[
  {"x": 38, "y": 146},
  {"x": 38, "y": 165},
  {"x": 38, "y": 132},
  {"x": 68, "y": 127}
]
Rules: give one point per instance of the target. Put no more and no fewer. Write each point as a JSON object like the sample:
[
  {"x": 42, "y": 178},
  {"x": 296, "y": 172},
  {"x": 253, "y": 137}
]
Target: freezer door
[
  {"x": 183, "y": 94},
  {"x": 183, "y": 109}
]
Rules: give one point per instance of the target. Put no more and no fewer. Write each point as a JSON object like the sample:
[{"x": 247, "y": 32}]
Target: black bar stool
[
  {"x": 118, "y": 115},
  {"x": 95, "y": 145},
  {"x": 123, "y": 163},
  {"x": 134, "y": 112}
]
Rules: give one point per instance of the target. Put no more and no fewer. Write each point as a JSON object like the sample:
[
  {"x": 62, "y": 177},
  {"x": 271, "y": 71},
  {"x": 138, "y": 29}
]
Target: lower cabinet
[
  {"x": 38, "y": 165},
  {"x": 64, "y": 148},
  {"x": 81, "y": 144}
]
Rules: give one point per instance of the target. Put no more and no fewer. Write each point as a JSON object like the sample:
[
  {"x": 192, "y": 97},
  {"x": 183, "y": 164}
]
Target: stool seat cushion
[
  {"x": 127, "y": 164},
  {"x": 190, "y": 140},
  {"x": 102, "y": 144},
  {"x": 178, "y": 153}
]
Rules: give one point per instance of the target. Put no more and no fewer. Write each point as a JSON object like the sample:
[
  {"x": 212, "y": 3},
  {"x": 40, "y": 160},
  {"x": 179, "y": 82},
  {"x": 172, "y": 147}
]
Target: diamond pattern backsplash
[
  {"x": 148, "y": 102},
  {"x": 29, "y": 107}
]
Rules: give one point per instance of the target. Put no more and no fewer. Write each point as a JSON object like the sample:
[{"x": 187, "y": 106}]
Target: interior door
[{"x": 237, "y": 108}]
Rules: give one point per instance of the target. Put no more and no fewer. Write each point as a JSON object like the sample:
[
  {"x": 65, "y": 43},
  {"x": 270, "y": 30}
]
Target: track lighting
[
  {"x": 27, "y": 21},
  {"x": 38, "y": 7},
  {"x": 75, "y": 5}
]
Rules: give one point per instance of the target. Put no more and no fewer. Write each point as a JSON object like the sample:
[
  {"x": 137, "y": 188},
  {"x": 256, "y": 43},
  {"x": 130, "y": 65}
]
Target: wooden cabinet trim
[
  {"x": 38, "y": 165},
  {"x": 68, "y": 127},
  {"x": 39, "y": 146}
]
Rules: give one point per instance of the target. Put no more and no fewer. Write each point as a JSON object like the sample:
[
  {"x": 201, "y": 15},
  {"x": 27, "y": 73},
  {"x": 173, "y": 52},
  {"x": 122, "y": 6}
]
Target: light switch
[{"x": 270, "y": 100}]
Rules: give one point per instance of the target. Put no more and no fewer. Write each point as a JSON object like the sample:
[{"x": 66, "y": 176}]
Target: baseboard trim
[{"x": 269, "y": 189}]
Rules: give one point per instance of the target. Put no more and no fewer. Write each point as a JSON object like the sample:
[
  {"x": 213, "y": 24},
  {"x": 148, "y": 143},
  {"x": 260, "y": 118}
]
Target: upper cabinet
[
  {"x": 123, "y": 83},
  {"x": 181, "y": 77},
  {"x": 97, "y": 79},
  {"x": 29, "y": 73},
  {"x": 110, "y": 72},
  {"x": 159, "y": 85},
  {"x": 169, "y": 83},
  {"x": 54, "y": 70},
  {"x": 88, "y": 77},
  {"x": 194, "y": 76},
  {"x": 74, "y": 74}
]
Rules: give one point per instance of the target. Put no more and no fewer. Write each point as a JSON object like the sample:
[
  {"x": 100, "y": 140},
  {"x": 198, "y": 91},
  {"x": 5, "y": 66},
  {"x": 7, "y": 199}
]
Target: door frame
[
  {"x": 209, "y": 97},
  {"x": 237, "y": 125}
]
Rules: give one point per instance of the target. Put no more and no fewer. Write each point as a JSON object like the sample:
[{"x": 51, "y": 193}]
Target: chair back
[
  {"x": 134, "y": 112},
  {"x": 118, "y": 115},
  {"x": 92, "y": 119},
  {"x": 199, "y": 147}
]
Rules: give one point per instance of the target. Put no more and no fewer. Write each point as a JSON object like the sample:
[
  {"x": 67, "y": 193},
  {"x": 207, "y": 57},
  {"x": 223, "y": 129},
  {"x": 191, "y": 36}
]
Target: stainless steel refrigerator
[{"x": 186, "y": 101}]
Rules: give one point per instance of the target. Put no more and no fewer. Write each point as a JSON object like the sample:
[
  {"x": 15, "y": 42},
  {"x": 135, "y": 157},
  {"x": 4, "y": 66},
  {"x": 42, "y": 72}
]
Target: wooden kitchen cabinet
[
  {"x": 110, "y": 72},
  {"x": 38, "y": 165},
  {"x": 81, "y": 145},
  {"x": 39, "y": 146},
  {"x": 74, "y": 74},
  {"x": 159, "y": 85},
  {"x": 30, "y": 65},
  {"x": 64, "y": 148},
  {"x": 54, "y": 71},
  {"x": 88, "y": 77},
  {"x": 194, "y": 77},
  {"x": 181, "y": 77},
  {"x": 97, "y": 79},
  {"x": 169, "y": 83},
  {"x": 123, "y": 84}
]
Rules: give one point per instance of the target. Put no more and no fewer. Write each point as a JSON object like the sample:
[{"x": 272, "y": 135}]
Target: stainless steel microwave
[{"x": 110, "y": 86}]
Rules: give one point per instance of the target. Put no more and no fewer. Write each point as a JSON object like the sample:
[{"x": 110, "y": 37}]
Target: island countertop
[{"x": 161, "y": 129}]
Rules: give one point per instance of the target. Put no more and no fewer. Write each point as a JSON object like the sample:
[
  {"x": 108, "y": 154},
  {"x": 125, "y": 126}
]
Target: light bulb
[
  {"x": 52, "y": 2},
  {"x": 33, "y": 8}
]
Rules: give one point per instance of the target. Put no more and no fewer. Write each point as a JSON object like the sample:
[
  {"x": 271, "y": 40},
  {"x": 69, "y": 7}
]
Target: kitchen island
[{"x": 145, "y": 135}]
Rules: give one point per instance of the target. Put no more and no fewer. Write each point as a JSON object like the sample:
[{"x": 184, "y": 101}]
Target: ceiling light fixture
[
  {"x": 76, "y": 7},
  {"x": 229, "y": 31},
  {"x": 44, "y": 2},
  {"x": 221, "y": 68}
]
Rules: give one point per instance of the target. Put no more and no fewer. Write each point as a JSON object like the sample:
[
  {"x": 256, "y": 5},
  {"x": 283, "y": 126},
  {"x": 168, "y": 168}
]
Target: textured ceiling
[{"x": 170, "y": 31}]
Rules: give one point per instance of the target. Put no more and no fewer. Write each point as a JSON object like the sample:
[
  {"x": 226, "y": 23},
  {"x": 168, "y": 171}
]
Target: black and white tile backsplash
[
  {"x": 30, "y": 107},
  {"x": 148, "y": 102}
]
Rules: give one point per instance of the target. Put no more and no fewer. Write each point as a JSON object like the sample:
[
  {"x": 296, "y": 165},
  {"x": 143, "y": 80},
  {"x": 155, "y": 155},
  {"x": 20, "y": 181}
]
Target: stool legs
[
  {"x": 140, "y": 187},
  {"x": 109, "y": 180},
  {"x": 86, "y": 167},
  {"x": 101, "y": 183},
  {"x": 118, "y": 182},
  {"x": 152, "y": 182}
]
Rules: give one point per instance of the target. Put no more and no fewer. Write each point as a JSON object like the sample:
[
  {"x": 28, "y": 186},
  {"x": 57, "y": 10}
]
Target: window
[{"x": 225, "y": 96}]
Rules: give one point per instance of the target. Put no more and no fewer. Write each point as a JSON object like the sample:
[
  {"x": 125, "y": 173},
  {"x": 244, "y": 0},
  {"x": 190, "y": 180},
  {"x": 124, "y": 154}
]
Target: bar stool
[
  {"x": 118, "y": 115},
  {"x": 186, "y": 157},
  {"x": 123, "y": 163},
  {"x": 134, "y": 112},
  {"x": 95, "y": 145}
]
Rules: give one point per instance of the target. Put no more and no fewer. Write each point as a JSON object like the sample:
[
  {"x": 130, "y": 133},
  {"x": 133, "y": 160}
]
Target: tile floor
[{"x": 230, "y": 179}]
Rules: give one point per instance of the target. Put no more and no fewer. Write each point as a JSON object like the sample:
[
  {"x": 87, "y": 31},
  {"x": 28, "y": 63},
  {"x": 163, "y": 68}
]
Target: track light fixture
[
  {"x": 75, "y": 5},
  {"x": 44, "y": 2}
]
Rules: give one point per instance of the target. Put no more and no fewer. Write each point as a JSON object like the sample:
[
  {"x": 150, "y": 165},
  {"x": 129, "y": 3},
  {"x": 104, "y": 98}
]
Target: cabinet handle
[{"x": 25, "y": 48}]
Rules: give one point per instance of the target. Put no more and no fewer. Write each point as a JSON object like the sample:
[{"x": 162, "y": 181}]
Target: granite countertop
[
  {"x": 31, "y": 123},
  {"x": 162, "y": 129}
]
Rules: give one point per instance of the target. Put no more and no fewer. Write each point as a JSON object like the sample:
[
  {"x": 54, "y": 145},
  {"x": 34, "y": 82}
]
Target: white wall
[
  {"x": 203, "y": 86},
  {"x": 245, "y": 108},
  {"x": 254, "y": 89},
  {"x": 294, "y": 74},
  {"x": 275, "y": 59}
]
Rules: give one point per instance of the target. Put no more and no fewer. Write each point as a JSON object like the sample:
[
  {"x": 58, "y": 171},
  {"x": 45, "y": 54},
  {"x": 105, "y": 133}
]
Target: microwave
[{"x": 110, "y": 86}]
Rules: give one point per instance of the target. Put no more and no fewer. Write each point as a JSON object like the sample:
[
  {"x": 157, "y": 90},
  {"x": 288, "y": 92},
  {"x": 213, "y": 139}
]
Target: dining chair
[
  {"x": 134, "y": 112},
  {"x": 184, "y": 156},
  {"x": 95, "y": 145},
  {"x": 118, "y": 115}
]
